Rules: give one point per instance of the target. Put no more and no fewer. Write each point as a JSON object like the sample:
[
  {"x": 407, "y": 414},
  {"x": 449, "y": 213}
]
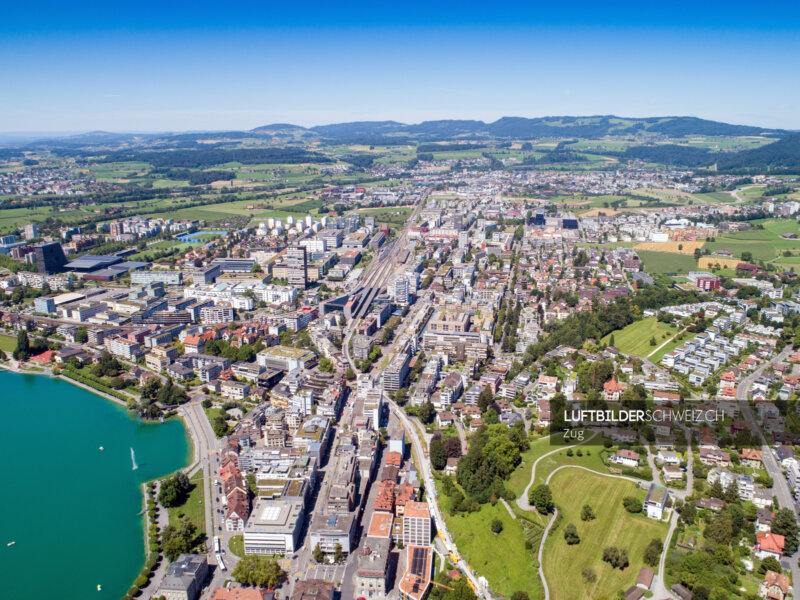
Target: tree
[
  {"x": 258, "y": 571},
  {"x": 653, "y": 341},
  {"x": 769, "y": 564},
  {"x": 720, "y": 529},
  {"x": 452, "y": 447},
  {"x": 426, "y": 412},
  {"x": 571, "y": 535},
  {"x": 497, "y": 526},
  {"x": 350, "y": 375},
  {"x": 438, "y": 454},
  {"x": 518, "y": 595},
  {"x": 21, "y": 352},
  {"x": 587, "y": 514},
  {"x": 337, "y": 553},
  {"x": 652, "y": 554},
  {"x": 688, "y": 513},
  {"x": 485, "y": 398},
  {"x": 318, "y": 554},
  {"x": 178, "y": 538},
  {"x": 541, "y": 497},
  {"x": 325, "y": 365},
  {"x": 589, "y": 576},
  {"x": 632, "y": 504},
  {"x": 785, "y": 524},
  {"x": 174, "y": 490}
]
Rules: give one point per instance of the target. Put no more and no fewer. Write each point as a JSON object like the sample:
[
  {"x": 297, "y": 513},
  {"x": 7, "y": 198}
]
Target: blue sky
[{"x": 155, "y": 66}]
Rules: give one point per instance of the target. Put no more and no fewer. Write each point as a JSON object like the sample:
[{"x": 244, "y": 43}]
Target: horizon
[
  {"x": 67, "y": 133},
  {"x": 195, "y": 67}
]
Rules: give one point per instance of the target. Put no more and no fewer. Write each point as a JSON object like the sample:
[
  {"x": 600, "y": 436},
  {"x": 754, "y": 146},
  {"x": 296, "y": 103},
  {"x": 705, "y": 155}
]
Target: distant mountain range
[
  {"x": 781, "y": 154},
  {"x": 521, "y": 127}
]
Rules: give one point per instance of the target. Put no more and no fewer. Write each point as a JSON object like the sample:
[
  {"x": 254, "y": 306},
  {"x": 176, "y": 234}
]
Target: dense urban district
[{"x": 404, "y": 354}]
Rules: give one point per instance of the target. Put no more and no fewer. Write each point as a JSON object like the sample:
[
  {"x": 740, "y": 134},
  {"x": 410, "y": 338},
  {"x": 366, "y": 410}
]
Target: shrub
[{"x": 497, "y": 526}]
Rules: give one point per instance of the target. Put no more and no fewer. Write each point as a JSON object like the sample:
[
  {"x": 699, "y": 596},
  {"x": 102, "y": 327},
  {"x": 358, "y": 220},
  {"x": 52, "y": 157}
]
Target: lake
[{"x": 72, "y": 508}]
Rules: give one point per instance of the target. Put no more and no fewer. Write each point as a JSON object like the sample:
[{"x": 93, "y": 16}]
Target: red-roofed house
[{"x": 769, "y": 544}]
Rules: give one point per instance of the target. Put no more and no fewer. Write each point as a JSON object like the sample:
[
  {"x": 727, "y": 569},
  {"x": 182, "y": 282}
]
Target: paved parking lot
[{"x": 330, "y": 573}]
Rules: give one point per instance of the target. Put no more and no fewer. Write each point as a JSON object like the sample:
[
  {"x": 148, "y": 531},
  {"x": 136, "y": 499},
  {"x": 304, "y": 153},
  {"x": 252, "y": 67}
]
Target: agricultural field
[
  {"x": 666, "y": 262},
  {"x": 395, "y": 215},
  {"x": 614, "y": 526},
  {"x": 764, "y": 244},
  {"x": 709, "y": 262},
  {"x": 480, "y": 547},
  {"x": 678, "y": 247},
  {"x": 635, "y": 338}
]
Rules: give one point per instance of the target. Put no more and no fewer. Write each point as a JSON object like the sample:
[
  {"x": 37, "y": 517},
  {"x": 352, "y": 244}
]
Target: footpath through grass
[
  {"x": 613, "y": 526},
  {"x": 521, "y": 476}
]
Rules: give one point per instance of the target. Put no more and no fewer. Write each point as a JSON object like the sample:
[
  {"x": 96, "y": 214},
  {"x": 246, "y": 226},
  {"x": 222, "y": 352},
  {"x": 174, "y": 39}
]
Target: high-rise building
[
  {"x": 296, "y": 263},
  {"x": 31, "y": 231},
  {"x": 49, "y": 257}
]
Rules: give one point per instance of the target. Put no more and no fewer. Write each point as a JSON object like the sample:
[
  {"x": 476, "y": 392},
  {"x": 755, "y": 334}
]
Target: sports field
[
  {"x": 635, "y": 338},
  {"x": 614, "y": 526}
]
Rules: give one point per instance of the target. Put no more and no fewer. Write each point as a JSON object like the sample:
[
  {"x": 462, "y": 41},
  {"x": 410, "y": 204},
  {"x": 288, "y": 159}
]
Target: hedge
[{"x": 92, "y": 383}]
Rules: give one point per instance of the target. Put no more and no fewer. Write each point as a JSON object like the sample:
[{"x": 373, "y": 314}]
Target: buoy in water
[
  {"x": 99, "y": 587},
  {"x": 101, "y": 448}
]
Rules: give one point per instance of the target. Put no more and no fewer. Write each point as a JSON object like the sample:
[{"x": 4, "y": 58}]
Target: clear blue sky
[{"x": 177, "y": 65}]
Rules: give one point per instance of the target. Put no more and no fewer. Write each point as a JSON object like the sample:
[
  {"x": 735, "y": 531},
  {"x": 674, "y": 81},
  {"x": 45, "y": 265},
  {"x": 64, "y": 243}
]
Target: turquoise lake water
[{"x": 72, "y": 509}]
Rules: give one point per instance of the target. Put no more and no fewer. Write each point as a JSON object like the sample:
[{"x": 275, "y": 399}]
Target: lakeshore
[{"x": 86, "y": 499}]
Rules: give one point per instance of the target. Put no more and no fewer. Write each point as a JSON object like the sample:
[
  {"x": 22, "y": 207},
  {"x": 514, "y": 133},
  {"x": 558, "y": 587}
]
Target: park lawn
[
  {"x": 502, "y": 558},
  {"x": 8, "y": 343},
  {"x": 667, "y": 262},
  {"x": 236, "y": 545},
  {"x": 635, "y": 338},
  {"x": 614, "y": 526},
  {"x": 592, "y": 458},
  {"x": 521, "y": 476},
  {"x": 194, "y": 507}
]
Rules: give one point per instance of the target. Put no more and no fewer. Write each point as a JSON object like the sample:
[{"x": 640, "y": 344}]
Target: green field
[
  {"x": 667, "y": 262},
  {"x": 635, "y": 338},
  {"x": 8, "y": 343},
  {"x": 502, "y": 558},
  {"x": 614, "y": 526},
  {"x": 764, "y": 244},
  {"x": 194, "y": 507}
]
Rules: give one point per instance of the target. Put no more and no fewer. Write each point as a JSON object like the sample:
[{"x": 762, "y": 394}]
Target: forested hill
[
  {"x": 521, "y": 127},
  {"x": 782, "y": 154}
]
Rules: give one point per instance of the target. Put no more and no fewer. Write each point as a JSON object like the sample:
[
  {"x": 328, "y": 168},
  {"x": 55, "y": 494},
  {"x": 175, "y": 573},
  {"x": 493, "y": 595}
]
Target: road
[{"x": 780, "y": 484}]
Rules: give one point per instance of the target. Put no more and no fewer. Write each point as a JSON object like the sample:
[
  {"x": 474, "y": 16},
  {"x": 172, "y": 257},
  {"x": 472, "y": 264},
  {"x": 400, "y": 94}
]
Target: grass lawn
[
  {"x": 8, "y": 343},
  {"x": 236, "y": 545},
  {"x": 614, "y": 526},
  {"x": 635, "y": 338},
  {"x": 522, "y": 474},
  {"x": 502, "y": 558},
  {"x": 667, "y": 262},
  {"x": 194, "y": 507},
  {"x": 592, "y": 458},
  {"x": 673, "y": 343}
]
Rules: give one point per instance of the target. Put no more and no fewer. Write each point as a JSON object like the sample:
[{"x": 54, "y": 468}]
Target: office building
[
  {"x": 49, "y": 257},
  {"x": 273, "y": 527},
  {"x": 296, "y": 263}
]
